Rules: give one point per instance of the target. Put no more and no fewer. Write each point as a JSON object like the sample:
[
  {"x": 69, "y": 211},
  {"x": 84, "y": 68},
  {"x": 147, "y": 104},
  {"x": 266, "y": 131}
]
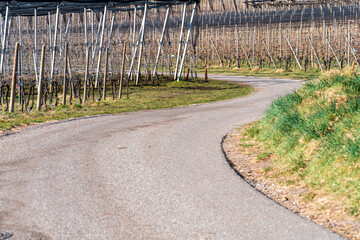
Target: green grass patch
[
  {"x": 166, "y": 94},
  {"x": 314, "y": 134}
]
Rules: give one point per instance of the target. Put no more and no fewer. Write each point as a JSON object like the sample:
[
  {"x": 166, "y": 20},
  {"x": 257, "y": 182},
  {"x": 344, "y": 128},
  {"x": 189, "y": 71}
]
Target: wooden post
[
  {"x": 65, "y": 72},
  {"x": 40, "y": 86},
  {"x": 105, "y": 72},
  {"x": 122, "y": 70},
  {"x": 206, "y": 76},
  {"x": 86, "y": 73},
  {"x": 13, "y": 80}
]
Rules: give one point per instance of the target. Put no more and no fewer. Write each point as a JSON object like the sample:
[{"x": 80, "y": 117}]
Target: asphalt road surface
[{"x": 157, "y": 174}]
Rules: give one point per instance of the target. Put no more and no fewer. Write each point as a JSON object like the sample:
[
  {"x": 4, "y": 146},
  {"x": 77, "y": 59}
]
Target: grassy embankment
[
  {"x": 164, "y": 95},
  {"x": 313, "y": 137}
]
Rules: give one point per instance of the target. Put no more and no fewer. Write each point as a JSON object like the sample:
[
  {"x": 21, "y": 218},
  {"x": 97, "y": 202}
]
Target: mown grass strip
[{"x": 164, "y": 95}]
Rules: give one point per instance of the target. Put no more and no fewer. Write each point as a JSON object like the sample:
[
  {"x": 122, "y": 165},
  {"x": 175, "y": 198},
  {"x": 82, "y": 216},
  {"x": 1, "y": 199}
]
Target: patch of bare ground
[{"x": 249, "y": 159}]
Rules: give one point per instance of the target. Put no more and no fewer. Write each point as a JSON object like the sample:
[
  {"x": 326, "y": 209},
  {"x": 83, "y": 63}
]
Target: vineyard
[
  {"x": 307, "y": 37},
  {"x": 75, "y": 52}
]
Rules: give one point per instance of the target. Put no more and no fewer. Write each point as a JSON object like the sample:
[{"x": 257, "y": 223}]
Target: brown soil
[{"x": 315, "y": 205}]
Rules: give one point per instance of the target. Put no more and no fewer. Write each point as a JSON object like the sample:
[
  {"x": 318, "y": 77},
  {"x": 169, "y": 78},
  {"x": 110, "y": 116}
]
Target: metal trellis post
[
  {"x": 187, "y": 42},
  {"x": 3, "y": 44},
  {"x": 161, "y": 41},
  {"x": 180, "y": 41},
  {"x": 141, "y": 44},
  {"x": 100, "y": 47}
]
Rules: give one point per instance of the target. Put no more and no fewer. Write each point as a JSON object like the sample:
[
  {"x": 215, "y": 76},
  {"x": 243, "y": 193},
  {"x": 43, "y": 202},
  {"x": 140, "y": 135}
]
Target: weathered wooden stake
[
  {"x": 13, "y": 80},
  {"x": 40, "y": 86}
]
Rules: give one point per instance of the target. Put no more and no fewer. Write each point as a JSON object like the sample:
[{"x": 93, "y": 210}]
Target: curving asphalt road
[{"x": 144, "y": 175}]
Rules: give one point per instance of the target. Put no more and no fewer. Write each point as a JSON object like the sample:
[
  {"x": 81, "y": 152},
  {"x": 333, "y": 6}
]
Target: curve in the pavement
[{"x": 157, "y": 174}]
